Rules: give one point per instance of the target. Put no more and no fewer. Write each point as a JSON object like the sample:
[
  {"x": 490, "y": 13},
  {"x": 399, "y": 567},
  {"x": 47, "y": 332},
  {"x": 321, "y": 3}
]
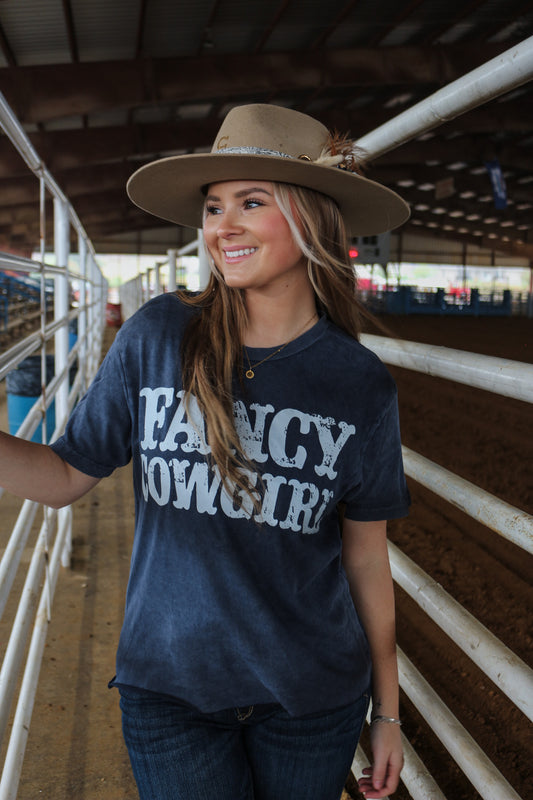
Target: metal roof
[{"x": 102, "y": 86}]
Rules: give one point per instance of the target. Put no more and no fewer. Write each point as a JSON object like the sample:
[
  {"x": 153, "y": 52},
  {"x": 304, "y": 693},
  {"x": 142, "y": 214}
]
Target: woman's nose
[{"x": 228, "y": 224}]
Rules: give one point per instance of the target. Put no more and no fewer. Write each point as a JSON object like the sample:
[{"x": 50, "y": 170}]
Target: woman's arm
[
  {"x": 34, "y": 471},
  {"x": 366, "y": 563}
]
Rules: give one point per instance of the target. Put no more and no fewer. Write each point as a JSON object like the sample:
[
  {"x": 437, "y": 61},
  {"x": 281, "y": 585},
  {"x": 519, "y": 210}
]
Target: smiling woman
[{"x": 266, "y": 460}]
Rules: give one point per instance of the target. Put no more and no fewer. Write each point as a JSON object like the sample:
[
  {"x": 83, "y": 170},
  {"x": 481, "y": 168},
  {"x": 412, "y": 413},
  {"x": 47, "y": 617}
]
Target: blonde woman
[{"x": 259, "y": 620}]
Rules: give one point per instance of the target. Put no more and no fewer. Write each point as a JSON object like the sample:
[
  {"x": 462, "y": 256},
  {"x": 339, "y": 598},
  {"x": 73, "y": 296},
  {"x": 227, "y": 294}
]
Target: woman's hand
[{"x": 381, "y": 779}]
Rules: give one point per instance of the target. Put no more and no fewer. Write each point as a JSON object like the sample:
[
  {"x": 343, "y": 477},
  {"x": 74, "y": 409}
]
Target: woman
[{"x": 254, "y": 632}]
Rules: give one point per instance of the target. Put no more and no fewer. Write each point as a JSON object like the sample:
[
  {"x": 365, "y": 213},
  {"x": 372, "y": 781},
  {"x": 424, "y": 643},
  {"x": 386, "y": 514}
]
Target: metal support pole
[
  {"x": 530, "y": 294},
  {"x": 148, "y": 281},
  {"x": 139, "y": 291},
  {"x": 61, "y": 308},
  {"x": 205, "y": 269},
  {"x": 172, "y": 270},
  {"x": 157, "y": 279},
  {"x": 82, "y": 315}
]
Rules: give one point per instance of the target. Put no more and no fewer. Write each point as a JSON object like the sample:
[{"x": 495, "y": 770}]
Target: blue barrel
[
  {"x": 72, "y": 333},
  {"x": 23, "y": 388}
]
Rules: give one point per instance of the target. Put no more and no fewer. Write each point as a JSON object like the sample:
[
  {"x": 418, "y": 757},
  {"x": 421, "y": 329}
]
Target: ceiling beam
[
  {"x": 71, "y": 31},
  {"x": 6, "y": 49},
  {"x": 46, "y": 92},
  {"x": 508, "y": 248},
  {"x": 61, "y": 150}
]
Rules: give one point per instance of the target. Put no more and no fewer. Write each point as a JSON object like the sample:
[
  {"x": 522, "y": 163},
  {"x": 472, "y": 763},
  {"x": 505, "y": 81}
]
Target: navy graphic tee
[{"x": 228, "y": 605}]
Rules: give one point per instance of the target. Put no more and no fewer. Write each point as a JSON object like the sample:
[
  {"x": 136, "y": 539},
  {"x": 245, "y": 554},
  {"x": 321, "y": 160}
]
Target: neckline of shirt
[{"x": 300, "y": 343}]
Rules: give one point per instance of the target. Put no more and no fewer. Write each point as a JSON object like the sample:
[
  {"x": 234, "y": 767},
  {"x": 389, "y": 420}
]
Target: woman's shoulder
[
  {"x": 159, "y": 313},
  {"x": 353, "y": 350},
  {"x": 169, "y": 303},
  {"x": 159, "y": 321},
  {"x": 355, "y": 365}
]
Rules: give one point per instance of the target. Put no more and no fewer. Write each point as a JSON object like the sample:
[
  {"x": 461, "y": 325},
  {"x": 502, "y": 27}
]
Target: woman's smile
[{"x": 239, "y": 253}]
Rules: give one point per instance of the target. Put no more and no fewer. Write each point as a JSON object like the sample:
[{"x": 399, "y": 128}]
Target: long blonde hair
[{"x": 211, "y": 350}]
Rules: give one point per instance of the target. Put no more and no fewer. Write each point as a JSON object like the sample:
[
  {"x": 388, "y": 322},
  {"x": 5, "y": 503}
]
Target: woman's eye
[
  {"x": 211, "y": 209},
  {"x": 252, "y": 202}
]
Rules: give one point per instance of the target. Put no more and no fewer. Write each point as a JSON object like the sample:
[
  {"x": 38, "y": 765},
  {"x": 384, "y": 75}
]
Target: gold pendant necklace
[{"x": 250, "y": 371}]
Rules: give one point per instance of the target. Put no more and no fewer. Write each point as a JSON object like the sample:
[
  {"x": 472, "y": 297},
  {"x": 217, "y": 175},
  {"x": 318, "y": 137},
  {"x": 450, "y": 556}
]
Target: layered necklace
[{"x": 251, "y": 367}]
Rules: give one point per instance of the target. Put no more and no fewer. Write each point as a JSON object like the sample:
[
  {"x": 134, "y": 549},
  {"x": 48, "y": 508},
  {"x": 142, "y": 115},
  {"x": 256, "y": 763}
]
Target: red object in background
[
  {"x": 353, "y": 253},
  {"x": 113, "y": 315}
]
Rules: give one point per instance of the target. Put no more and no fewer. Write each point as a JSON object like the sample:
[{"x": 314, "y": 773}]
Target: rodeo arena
[{"x": 440, "y": 98}]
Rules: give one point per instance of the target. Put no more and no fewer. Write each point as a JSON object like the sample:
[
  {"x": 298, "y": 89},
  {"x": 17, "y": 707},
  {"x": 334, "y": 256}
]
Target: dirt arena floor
[{"x": 75, "y": 750}]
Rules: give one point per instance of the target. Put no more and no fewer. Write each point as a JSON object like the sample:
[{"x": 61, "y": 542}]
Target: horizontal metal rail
[
  {"x": 469, "y": 756},
  {"x": 507, "y": 71},
  {"x": 14, "y": 550},
  {"x": 15, "y": 132},
  {"x": 498, "y": 375},
  {"x": 11, "y": 357},
  {"x": 510, "y": 522},
  {"x": 23, "y": 622},
  {"x": 497, "y": 661},
  {"x": 21, "y": 723}
]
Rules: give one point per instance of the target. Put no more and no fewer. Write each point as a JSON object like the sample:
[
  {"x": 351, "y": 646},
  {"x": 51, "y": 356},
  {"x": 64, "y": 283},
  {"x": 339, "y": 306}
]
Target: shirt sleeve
[
  {"x": 98, "y": 435},
  {"x": 382, "y": 491}
]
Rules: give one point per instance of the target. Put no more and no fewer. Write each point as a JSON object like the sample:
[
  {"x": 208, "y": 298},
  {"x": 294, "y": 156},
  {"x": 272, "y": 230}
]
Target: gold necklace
[{"x": 250, "y": 371}]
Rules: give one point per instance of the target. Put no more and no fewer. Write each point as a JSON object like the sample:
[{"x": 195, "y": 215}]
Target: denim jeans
[{"x": 255, "y": 753}]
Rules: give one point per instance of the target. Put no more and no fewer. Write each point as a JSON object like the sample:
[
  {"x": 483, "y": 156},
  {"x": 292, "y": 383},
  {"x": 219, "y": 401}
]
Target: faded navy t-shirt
[{"x": 226, "y": 606}]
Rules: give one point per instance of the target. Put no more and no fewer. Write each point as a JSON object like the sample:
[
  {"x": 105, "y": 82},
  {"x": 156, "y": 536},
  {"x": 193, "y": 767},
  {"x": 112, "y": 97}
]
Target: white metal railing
[
  {"x": 507, "y": 71},
  {"x": 498, "y": 662},
  {"x": 25, "y": 632},
  {"x": 508, "y": 378}
]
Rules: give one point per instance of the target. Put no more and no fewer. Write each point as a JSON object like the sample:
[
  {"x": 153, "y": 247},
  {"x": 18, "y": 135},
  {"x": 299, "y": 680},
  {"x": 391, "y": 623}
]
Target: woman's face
[{"x": 249, "y": 239}]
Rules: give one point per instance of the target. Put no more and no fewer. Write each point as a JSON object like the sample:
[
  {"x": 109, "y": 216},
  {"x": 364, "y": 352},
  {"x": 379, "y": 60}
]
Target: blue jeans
[{"x": 255, "y": 753}]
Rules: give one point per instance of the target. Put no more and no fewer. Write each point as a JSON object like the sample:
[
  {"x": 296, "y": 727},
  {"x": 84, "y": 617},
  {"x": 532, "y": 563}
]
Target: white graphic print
[{"x": 175, "y": 471}]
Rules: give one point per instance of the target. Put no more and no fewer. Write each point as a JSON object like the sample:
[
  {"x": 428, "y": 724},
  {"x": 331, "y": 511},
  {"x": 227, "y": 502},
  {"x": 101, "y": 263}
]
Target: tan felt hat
[{"x": 268, "y": 143}]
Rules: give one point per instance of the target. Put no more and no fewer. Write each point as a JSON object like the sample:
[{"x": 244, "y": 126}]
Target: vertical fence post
[
  {"x": 82, "y": 312},
  {"x": 204, "y": 268},
  {"x": 172, "y": 270},
  {"x": 91, "y": 314},
  {"x": 61, "y": 308},
  {"x": 148, "y": 284},
  {"x": 530, "y": 293}
]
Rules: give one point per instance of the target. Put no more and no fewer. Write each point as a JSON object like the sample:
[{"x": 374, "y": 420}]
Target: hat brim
[{"x": 171, "y": 188}]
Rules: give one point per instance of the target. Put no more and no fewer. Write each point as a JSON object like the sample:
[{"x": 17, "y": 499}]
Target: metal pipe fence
[{"x": 75, "y": 363}]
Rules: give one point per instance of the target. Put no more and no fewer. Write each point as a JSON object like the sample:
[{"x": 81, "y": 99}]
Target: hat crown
[{"x": 271, "y": 128}]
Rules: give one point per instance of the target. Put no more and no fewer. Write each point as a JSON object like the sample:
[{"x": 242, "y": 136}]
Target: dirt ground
[{"x": 75, "y": 751}]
